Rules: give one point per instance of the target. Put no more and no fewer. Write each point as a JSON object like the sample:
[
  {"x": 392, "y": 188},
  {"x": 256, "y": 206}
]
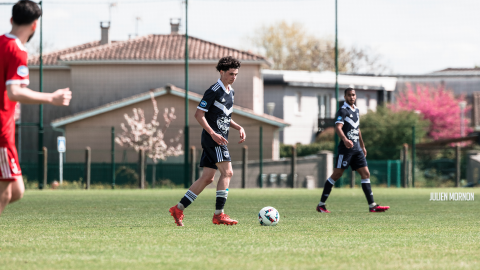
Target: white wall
[
  {"x": 303, "y": 124},
  {"x": 362, "y": 100}
]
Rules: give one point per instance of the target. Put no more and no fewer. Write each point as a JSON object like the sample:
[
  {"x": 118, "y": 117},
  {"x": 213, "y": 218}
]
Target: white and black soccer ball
[{"x": 268, "y": 216}]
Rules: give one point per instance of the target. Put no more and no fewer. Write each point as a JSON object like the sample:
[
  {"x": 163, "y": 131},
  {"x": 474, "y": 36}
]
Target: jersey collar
[
  {"x": 345, "y": 105},
  {"x": 223, "y": 86},
  {"x": 19, "y": 43}
]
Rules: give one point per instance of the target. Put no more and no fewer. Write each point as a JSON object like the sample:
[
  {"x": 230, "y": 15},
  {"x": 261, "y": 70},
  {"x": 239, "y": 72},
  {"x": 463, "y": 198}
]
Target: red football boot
[
  {"x": 223, "y": 219},
  {"x": 322, "y": 209},
  {"x": 378, "y": 208},
  {"x": 177, "y": 215}
]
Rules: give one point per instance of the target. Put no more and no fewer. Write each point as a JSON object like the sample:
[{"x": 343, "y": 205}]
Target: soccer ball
[{"x": 268, "y": 216}]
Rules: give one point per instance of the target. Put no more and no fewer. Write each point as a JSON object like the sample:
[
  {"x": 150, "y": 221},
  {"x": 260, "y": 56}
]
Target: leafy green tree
[{"x": 384, "y": 131}]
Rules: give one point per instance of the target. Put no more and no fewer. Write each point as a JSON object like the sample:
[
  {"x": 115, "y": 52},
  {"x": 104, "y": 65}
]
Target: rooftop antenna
[
  {"x": 137, "y": 19},
  {"x": 110, "y": 7}
]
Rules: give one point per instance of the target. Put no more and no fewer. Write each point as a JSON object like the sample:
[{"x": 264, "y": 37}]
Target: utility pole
[
  {"x": 336, "y": 70},
  {"x": 40, "y": 114},
  {"x": 186, "y": 132}
]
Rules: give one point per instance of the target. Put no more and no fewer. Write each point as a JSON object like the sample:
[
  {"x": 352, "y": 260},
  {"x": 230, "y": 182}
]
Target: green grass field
[{"x": 132, "y": 229}]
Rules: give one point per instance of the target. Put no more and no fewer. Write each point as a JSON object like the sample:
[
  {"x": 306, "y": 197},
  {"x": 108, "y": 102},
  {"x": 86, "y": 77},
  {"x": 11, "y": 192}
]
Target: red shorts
[{"x": 9, "y": 166}]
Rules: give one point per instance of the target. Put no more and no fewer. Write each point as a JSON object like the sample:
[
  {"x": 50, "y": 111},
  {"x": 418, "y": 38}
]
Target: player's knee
[
  {"x": 209, "y": 181},
  {"x": 16, "y": 196},
  {"x": 365, "y": 175},
  {"x": 6, "y": 196},
  {"x": 228, "y": 173},
  {"x": 336, "y": 175}
]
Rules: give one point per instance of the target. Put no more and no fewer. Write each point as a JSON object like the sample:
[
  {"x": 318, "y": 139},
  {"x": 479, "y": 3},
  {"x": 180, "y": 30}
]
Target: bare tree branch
[
  {"x": 150, "y": 136},
  {"x": 290, "y": 47}
]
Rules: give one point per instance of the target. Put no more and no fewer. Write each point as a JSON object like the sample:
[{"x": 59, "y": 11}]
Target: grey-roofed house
[{"x": 306, "y": 100}]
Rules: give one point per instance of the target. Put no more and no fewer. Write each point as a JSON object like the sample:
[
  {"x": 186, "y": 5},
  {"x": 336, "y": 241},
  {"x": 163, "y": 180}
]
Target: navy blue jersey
[
  {"x": 218, "y": 107},
  {"x": 350, "y": 118}
]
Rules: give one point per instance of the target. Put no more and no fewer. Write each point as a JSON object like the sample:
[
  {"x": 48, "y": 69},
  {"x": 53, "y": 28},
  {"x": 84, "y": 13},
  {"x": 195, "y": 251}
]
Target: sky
[{"x": 413, "y": 36}]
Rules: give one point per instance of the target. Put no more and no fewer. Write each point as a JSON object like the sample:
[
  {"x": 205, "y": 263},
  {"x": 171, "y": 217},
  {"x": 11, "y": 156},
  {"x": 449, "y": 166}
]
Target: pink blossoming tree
[
  {"x": 437, "y": 105},
  {"x": 150, "y": 136}
]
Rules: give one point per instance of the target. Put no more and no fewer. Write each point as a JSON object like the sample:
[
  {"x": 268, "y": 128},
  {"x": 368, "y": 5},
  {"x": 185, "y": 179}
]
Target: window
[
  {"x": 299, "y": 101},
  {"x": 324, "y": 106}
]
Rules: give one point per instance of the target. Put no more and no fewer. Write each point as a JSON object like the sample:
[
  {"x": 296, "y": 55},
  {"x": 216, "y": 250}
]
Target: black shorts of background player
[
  {"x": 351, "y": 152},
  {"x": 214, "y": 114}
]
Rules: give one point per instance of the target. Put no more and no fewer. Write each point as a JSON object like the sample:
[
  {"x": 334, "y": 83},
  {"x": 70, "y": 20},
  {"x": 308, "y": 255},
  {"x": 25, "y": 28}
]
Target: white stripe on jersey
[
  {"x": 9, "y": 82},
  {"x": 4, "y": 163},
  {"x": 215, "y": 87},
  {"x": 223, "y": 108},
  {"x": 339, "y": 163},
  {"x": 219, "y": 153},
  {"x": 353, "y": 123}
]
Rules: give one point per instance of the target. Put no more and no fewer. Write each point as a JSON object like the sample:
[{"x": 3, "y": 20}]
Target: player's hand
[
  {"x": 243, "y": 136},
  {"x": 348, "y": 143},
  {"x": 61, "y": 97},
  {"x": 364, "y": 151},
  {"x": 219, "y": 139}
]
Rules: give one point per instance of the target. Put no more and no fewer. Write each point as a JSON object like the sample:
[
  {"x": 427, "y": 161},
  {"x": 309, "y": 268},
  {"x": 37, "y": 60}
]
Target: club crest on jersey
[
  {"x": 226, "y": 154},
  {"x": 203, "y": 104},
  {"x": 344, "y": 163},
  {"x": 223, "y": 123},
  {"x": 353, "y": 135},
  {"x": 22, "y": 71},
  {"x": 339, "y": 118}
]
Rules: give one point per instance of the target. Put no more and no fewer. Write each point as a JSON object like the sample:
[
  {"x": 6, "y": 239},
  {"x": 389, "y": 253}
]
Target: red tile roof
[
  {"x": 148, "y": 48},
  {"x": 52, "y": 57}
]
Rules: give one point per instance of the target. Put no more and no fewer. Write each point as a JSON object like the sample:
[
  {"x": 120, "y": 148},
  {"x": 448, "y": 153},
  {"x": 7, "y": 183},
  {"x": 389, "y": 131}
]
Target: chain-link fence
[{"x": 114, "y": 55}]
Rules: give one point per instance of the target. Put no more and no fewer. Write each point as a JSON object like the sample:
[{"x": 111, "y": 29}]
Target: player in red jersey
[{"x": 13, "y": 88}]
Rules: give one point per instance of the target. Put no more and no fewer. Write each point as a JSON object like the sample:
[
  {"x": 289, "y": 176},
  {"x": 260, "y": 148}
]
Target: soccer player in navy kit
[
  {"x": 351, "y": 152},
  {"x": 214, "y": 113}
]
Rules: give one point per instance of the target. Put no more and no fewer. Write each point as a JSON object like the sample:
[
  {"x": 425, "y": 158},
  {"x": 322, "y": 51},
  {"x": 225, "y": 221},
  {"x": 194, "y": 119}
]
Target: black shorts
[
  {"x": 213, "y": 155},
  {"x": 355, "y": 159}
]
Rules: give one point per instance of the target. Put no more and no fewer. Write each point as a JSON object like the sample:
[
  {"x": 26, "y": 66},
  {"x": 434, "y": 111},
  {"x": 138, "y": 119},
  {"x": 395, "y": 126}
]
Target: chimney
[
  {"x": 270, "y": 108},
  {"x": 174, "y": 26},
  {"x": 105, "y": 33}
]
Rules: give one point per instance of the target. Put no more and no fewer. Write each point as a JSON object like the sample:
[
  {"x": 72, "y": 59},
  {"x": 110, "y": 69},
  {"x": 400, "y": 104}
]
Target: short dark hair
[
  {"x": 227, "y": 63},
  {"x": 348, "y": 89},
  {"x": 25, "y": 12}
]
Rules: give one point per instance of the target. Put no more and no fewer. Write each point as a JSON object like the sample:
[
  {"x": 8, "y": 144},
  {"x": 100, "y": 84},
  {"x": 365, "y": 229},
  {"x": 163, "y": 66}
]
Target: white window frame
[
  {"x": 298, "y": 102},
  {"x": 324, "y": 110}
]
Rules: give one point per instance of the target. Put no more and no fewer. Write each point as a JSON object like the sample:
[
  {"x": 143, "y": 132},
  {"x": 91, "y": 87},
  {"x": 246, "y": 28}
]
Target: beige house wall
[
  {"x": 95, "y": 132},
  {"x": 53, "y": 79},
  {"x": 97, "y": 85}
]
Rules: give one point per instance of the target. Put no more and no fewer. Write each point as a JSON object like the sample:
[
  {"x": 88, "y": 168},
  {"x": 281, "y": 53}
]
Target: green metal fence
[
  {"x": 382, "y": 173},
  {"x": 125, "y": 173}
]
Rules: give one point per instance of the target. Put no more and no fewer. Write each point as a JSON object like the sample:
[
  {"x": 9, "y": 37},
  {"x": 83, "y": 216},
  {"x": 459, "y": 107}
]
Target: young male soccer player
[
  {"x": 13, "y": 88},
  {"x": 351, "y": 152},
  {"x": 214, "y": 113}
]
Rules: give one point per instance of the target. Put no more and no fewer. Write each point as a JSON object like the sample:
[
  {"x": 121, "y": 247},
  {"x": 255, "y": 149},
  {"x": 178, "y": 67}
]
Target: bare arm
[
  {"x": 236, "y": 126},
  {"x": 24, "y": 95},
  {"x": 361, "y": 143},
  {"x": 338, "y": 129},
  {"x": 200, "y": 116}
]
